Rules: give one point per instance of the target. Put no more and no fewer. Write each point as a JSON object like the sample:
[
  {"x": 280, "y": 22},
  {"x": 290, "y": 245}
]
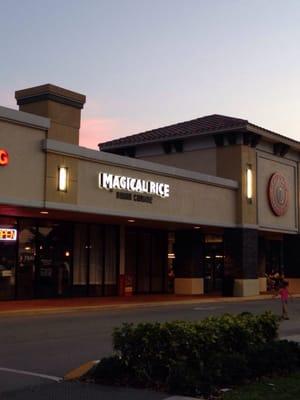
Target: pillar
[
  {"x": 188, "y": 262},
  {"x": 241, "y": 260}
]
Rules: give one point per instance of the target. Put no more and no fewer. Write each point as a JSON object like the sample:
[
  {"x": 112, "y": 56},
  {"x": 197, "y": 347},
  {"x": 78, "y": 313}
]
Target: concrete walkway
[{"x": 45, "y": 306}]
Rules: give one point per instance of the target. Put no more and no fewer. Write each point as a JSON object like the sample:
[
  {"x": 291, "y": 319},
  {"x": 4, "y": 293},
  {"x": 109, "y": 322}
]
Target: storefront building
[{"x": 181, "y": 208}]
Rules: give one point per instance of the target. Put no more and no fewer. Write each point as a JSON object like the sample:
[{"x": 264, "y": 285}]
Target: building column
[
  {"x": 188, "y": 263},
  {"x": 291, "y": 245},
  {"x": 241, "y": 260}
]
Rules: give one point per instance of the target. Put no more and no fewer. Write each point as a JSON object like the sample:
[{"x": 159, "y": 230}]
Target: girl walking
[{"x": 284, "y": 294}]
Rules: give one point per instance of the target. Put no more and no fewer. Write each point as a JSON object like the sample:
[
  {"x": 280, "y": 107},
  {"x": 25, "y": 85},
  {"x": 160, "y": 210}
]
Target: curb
[
  {"x": 62, "y": 310},
  {"x": 81, "y": 371}
]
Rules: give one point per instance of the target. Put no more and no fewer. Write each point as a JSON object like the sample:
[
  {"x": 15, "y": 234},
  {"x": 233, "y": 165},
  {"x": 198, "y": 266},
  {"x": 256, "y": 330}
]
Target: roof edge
[
  {"x": 24, "y": 118},
  {"x": 50, "y": 145}
]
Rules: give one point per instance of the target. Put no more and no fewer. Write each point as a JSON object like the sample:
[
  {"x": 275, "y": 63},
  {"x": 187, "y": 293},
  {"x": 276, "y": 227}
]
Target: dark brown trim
[{"x": 52, "y": 97}]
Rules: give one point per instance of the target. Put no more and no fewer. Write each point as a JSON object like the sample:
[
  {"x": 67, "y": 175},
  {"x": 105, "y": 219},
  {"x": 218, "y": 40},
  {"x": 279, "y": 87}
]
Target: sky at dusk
[{"x": 148, "y": 63}]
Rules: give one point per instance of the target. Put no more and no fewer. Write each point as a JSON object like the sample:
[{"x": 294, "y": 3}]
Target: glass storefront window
[
  {"x": 97, "y": 243},
  {"x": 8, "y": 258},
  {"x": 54, "y": 251},
  {"x": 80, "y": 260},
  {"x": 27, "y": 259}
]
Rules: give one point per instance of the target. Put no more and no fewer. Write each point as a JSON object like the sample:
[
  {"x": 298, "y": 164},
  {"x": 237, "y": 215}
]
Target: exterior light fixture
[
  {"x": 67, "y": 254},
  {"x": 62, "y": 179},
  {"x": 44, "y": 212},
  {"x": 196, "y": 227},
  {"x": 249, "y": 183},
  {"x": 171, "y": 255},
  {"x": 131, "y": 220}
]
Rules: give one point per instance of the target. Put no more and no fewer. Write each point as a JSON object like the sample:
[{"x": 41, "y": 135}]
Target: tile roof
[{"x": 209, "y": 123}]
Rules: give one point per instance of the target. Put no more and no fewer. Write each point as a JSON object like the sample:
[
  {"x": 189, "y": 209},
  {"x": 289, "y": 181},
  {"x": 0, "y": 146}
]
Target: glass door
[
  {"x": 213, "y": 263},
  {"x": 53, "y": 269}
]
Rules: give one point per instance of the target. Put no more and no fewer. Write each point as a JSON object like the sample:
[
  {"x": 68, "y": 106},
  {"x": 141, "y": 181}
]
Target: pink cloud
[
  {"x": 94, "y": 131},
  {"x": 98, "y": 130}
]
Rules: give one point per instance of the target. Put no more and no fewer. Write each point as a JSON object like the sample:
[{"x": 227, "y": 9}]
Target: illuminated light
[
  {"x": 62, "y": 179},
  {"x": 41, "y": 247},
  {"x": 207, "y": 256},
  {"x": 249, "y": 183},
  {"x": 171, "y": 255},
  {"x": 27, "y": 248},
  {"x": 129, "y": 184},
  {"x": 8, "y": 234},
  {"x": 67, "y": 254},
  {"x": 196, "y": 227},
  {"x": 219, "y": 256},
  {"x": 4, "y": 158},
  {"x": 44, "y": 212},
  {"x": 131, "y": 220}
]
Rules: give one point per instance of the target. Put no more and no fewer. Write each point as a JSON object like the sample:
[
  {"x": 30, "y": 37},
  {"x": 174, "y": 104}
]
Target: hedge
[{"x": 193, "y": 358}]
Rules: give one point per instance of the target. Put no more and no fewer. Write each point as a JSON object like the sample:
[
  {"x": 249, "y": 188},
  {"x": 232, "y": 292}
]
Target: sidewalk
[
  {"x": 80, "y": 391},
  {"x": 46, "y": 306}
]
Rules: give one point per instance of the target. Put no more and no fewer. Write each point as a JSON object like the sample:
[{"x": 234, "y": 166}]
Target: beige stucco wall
[
  {"x": 65, "y": 120},
  {"x": 232, "y": 162},
  {"x": 22, "y": 181},
  {"x": 267, "y": 165},
  {"x": 188, "y": 201},
  {"x": 191, "y": 201},
  {"x": 197, "y": 160},
  {"x": 54, "y": 161}
]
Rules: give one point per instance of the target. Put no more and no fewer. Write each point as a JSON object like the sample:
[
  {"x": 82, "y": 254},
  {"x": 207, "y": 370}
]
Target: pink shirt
[{"x": 284, "y": 294}]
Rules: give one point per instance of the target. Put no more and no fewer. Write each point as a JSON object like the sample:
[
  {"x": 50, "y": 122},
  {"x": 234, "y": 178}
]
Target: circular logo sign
[{"x": 278, "y": 194}]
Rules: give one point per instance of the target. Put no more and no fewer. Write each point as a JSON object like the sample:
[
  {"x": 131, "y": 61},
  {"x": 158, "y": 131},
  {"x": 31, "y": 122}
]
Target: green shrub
[
  {"x": 192, "y": 358},
  {"x": 111, "y": 371},
  {"x": 279, "y": 357}
]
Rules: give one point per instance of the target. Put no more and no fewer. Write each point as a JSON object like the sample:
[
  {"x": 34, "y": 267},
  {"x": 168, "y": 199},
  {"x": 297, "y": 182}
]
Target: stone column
[
  {"x": 188, "y": 262},
  {"x": 241, "y": 260}
]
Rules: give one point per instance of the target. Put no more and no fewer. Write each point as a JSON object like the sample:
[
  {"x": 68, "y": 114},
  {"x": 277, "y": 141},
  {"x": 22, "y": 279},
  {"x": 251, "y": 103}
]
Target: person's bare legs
[{"x": 284, "y": 310}]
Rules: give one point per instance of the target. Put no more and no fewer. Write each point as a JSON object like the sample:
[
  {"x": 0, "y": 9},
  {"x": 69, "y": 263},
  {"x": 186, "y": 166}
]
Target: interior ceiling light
[{"x": 44, "y": 212}]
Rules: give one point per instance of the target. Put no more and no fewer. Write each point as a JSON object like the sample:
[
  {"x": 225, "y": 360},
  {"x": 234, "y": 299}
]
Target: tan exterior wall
[
  {"x": 189, "y": 286},
  {"x": 65, "y": 120},
  {"x": 22, "y": 181},
  {"x": 188, "y": 201},
  {"x": 246, "y": 287},
  {"x": 232, "y": 162},
  {"x": 54, "y": 161},
  {"x": 267, "y": 165},
  {"x": 294, "y": 285},
  {"x": 199, "y": 160}
]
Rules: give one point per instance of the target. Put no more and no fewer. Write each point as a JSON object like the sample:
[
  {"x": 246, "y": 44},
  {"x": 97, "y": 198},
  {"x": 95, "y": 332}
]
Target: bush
[
  {"x": 192, "y": 358},
  {"x": 280, "y": 357},
  {"x": 111, "y": 371}
]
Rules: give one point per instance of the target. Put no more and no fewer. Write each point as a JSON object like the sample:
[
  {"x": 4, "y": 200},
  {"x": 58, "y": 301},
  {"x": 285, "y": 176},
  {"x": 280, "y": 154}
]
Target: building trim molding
[
  {"x": 54, "y": 146},
  {"x": 23, "y": 118}
]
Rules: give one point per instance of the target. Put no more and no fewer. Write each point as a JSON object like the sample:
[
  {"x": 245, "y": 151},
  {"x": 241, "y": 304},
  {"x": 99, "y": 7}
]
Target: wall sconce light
[
  {"x": 62, "y": 179},
  {"x": 249, "y": 183}
]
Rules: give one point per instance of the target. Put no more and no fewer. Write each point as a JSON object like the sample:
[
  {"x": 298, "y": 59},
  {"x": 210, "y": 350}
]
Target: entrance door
[
  {"x": 53, "y": 269},
  {"x": 213, "y": 263},
  {"x": 274, "y": 256}
]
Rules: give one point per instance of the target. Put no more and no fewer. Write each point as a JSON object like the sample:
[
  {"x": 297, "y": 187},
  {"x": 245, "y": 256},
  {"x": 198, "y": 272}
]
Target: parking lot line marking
[
  {"x": 21, "y": 372},
  {"x": 207, "y": 308}
]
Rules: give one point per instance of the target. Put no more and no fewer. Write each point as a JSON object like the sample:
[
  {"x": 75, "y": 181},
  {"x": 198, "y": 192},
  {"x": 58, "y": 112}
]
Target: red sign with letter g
[{"x": 3, "y": 157}]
